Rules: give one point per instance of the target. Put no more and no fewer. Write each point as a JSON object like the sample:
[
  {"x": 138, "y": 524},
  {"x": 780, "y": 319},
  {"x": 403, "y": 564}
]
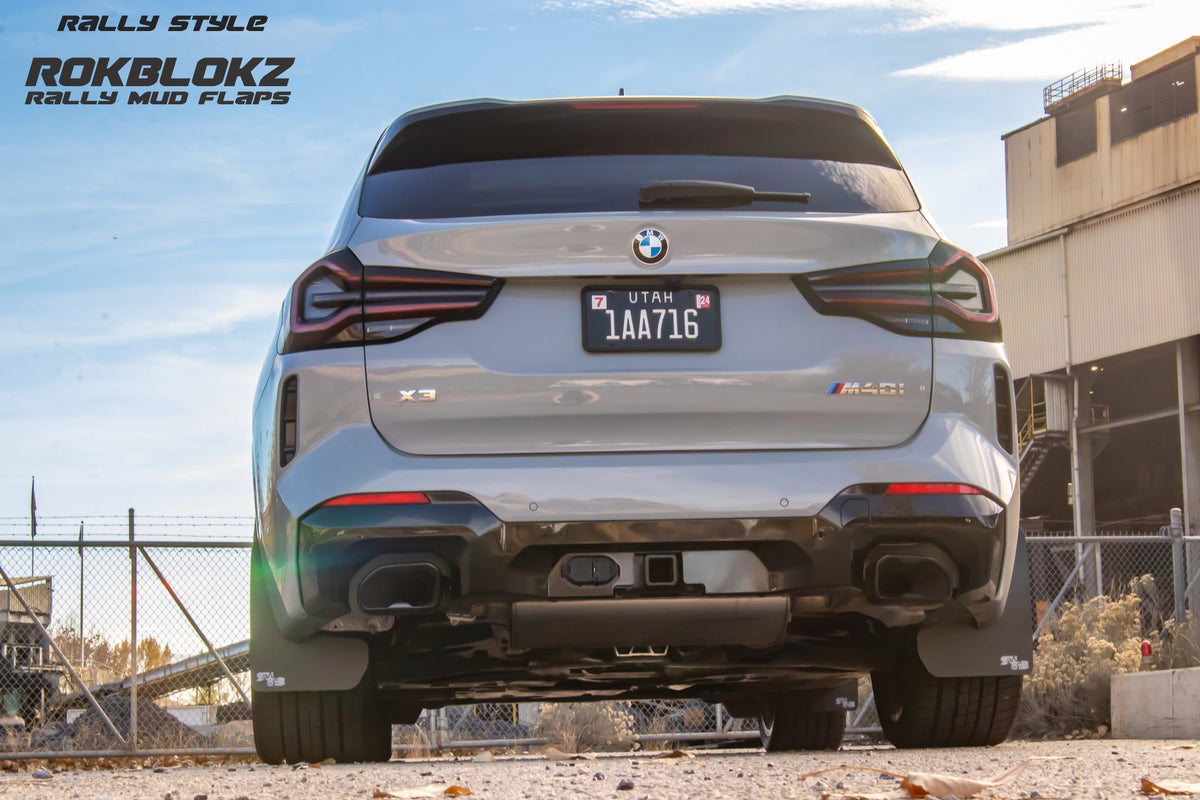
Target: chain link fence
[
  {"x": 70, "y": 607},
  {"x": 1067, "y": 569}
]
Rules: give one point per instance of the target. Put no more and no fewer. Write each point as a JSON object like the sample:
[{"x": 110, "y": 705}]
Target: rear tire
[
  {"x": 917, "y": 709},
  {"x": 312, "y": 726},
  {"x": 788, "y": 722}
]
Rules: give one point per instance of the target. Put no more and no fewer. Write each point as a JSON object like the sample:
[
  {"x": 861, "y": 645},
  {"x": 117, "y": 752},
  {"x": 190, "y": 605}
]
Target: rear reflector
[
  {"x": 378, "y": 499},
  {"x": 931, "y": 488}
]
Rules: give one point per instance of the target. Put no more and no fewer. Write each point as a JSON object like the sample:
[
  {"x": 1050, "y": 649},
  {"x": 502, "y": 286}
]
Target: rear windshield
[{"x": 562, "y": 158}]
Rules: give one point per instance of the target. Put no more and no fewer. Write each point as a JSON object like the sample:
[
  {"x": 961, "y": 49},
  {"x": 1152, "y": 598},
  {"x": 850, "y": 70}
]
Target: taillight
[
  {"x": 337, "y": 301},
  {"x": 949, "y": 294},
  {"x": 894, "y": 295},
  {"x": 964, "y": 296}
]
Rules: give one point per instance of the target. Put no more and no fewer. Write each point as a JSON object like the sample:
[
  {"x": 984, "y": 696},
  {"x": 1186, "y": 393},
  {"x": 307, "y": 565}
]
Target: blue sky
[{"x": 147, "y": 249}]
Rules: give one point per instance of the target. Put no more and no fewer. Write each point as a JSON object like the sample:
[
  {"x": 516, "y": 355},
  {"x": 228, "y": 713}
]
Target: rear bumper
[{"x": 865, "y": 552}]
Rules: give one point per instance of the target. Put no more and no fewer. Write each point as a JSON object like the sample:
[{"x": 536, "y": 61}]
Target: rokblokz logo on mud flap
[{"x": 151, "y": 80}]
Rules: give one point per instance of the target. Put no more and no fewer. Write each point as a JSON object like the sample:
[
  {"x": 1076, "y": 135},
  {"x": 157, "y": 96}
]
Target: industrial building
[{"x": 1099, "y": 291}]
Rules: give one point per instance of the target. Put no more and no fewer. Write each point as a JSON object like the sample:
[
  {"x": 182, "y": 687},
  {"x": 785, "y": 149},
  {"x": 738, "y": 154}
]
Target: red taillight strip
[
  {"x": 378, "y": 499},
  {"x": 931, "y": 488},
  {"x": 918, "y": 277},
  {"x": 400, "y": 311}
]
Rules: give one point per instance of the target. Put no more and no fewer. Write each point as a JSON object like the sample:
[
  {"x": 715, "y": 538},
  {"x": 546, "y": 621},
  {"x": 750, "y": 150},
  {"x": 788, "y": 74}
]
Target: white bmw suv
[{"x": 629, "y": 397}]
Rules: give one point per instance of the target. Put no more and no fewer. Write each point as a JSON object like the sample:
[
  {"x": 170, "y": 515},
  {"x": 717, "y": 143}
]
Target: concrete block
[{"x": 1156, "y": 705}]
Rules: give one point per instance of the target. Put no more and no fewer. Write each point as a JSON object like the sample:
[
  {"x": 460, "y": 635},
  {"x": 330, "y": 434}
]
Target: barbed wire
[
  {"x": 41, "y": 517},
  {"x": 117, "y": 525}
]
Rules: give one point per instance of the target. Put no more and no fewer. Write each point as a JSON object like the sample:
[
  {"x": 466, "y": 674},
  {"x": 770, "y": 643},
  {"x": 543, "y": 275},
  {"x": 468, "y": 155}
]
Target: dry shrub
[
  {"x": 414, "y": 740},
  {"x": 586, "y": 727},
  {"x": 1076, "y": 657},
  {"x": 1178, "y": 645}
]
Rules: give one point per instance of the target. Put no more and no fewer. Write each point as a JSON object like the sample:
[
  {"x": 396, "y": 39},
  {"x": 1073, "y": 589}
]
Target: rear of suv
[{"x": 627, "y": 398}]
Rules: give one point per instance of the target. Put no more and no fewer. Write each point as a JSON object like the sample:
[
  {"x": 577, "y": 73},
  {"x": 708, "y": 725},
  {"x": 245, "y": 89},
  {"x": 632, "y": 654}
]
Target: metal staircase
[
  {"x": 1044, "y": 408},
  {"x": 1034, "y": 453}
]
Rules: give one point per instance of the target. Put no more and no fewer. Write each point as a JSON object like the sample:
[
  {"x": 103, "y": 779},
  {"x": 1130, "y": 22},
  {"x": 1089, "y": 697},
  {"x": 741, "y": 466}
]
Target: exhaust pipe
[
  {"x": 910, "y": 575},
  {"x": 397, "y": 584}
]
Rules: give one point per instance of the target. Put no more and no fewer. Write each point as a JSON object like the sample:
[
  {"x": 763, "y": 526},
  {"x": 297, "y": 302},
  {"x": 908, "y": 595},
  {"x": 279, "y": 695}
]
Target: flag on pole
[{"x": 32, "y": 511}]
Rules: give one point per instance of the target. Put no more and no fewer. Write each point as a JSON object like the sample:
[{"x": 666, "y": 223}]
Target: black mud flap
[
  {"x": 277, "y": 663},
  {"x": 1005, "y": 648},
  {"x": 840, "y": 697}
]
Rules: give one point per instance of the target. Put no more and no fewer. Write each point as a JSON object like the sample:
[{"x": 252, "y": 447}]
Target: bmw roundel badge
[{"x": 650, "y": 246}]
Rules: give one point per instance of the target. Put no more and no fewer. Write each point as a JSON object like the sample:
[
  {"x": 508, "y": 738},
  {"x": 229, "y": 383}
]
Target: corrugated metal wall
[
  {"x": 1029, "y": 288},
  {"x": 1134, "y": 282},
  {"x": 1135, "y": 278}
]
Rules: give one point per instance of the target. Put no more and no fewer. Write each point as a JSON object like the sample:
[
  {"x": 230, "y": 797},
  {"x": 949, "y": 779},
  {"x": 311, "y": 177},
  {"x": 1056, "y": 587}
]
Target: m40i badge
[{"x": 882, "y": 389}]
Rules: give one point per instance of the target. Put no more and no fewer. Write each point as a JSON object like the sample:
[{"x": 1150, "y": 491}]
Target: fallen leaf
[
  {"x": 1169, "y": 787},
  {"x": 924, "y": 784},
  {"x": 921, "y": 784},
  {"x": 673, "y": 754},
  {"x": 427, "y": 791}
]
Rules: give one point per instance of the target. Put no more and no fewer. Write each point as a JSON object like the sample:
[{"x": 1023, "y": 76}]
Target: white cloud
[
  {"x": 1064, "y": 36},
  {"x": 108, "y": 317},
  {"x": 1015, "y": 15},
  {"x": 162, "y": 431},
  {"x": 1123, "y": 34},
  {"x": 991, "y": 224}
]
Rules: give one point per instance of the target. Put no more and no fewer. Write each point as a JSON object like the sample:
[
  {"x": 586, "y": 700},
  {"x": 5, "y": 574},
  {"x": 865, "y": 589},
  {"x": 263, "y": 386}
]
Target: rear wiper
[{"x": 709, "y": 194}]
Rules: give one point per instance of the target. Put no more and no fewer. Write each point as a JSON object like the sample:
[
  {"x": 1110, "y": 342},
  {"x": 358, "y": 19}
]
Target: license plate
[{"x": 628, "y": 318}]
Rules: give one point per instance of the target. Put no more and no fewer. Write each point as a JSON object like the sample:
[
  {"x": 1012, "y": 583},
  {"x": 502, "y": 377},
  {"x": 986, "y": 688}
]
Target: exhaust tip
[
  {"x": 392, "y": 588},
  {"x": 917, "y": 576}
]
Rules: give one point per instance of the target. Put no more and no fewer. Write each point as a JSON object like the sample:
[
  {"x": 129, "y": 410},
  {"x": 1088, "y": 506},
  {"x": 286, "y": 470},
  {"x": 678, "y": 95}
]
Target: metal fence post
[
  {"x": 1178, "y": 563},
  {"x": 133, "y": 654}
]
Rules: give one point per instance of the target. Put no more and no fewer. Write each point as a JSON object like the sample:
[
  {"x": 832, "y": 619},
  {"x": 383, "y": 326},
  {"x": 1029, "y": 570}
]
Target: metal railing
[{"x": 1079, "y": 80}]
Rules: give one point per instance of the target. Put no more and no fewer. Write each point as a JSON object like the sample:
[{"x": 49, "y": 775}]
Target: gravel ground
[{"x": 1094, "y": 769}]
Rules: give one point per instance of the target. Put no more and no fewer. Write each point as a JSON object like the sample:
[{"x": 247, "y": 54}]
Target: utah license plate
[{"x": 625, "y": 318}]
